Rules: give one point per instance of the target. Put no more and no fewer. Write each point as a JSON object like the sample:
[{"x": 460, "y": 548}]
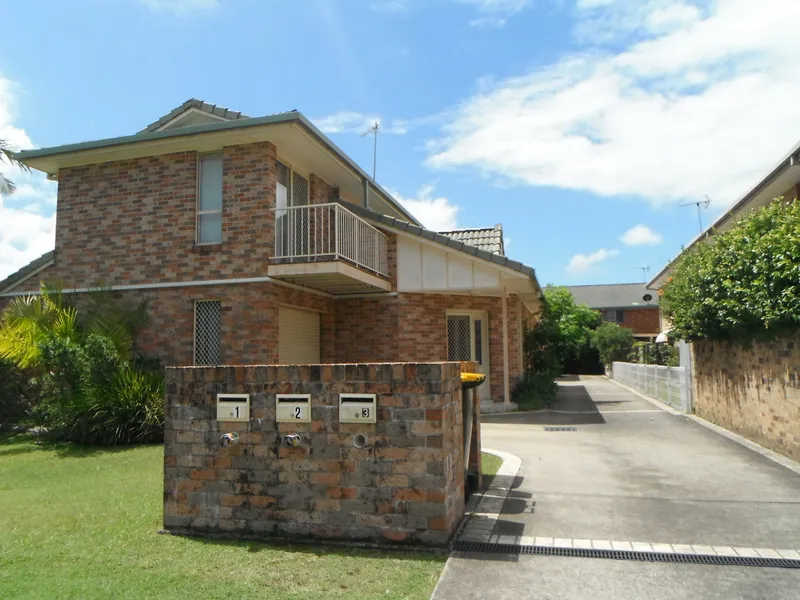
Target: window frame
[
  {"x": 197, "y": 211},
  {"x": 194, "y": 328}
]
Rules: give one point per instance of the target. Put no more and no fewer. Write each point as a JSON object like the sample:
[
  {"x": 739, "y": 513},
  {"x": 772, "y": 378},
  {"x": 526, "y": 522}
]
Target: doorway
[{"x": 468, "y": 339}]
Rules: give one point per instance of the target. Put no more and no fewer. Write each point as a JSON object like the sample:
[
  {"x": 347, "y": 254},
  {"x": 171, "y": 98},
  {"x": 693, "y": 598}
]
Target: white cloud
[
  {"x": 181, "y": 6},
  {"x": 641, "y": 235},
  {"x": 435, "y": 213},
  {"x": 488, "y": 23},
  {"x": 707, "y": 107},
  {"x": 583, "y": 263},
  {"x": 495, "y": 12},
  {"x": 27, "y": 218},
  {"x": 346, "y": 121}
]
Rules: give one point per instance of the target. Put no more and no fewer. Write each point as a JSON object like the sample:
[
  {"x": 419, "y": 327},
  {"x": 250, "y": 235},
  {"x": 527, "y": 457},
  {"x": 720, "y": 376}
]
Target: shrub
[
  {"x": 648, "y": 353},
  {"x": 15, "y": 404},
  {"x": 91, "y": 396},
  {"x": 613, "y": 343},
  {"x": 740, "y": 284},
  {"x": 534, "y": 391}
]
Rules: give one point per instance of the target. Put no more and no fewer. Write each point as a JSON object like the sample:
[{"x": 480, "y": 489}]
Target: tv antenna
[
  {"x": 705, "y": 204},
  {"x": 373, "y": 129},
  {"x": 645, "y": 270}
]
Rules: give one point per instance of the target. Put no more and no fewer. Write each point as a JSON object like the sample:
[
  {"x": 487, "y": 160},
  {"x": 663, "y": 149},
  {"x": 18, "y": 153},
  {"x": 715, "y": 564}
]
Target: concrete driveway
[{"x": 630, "y": 472}]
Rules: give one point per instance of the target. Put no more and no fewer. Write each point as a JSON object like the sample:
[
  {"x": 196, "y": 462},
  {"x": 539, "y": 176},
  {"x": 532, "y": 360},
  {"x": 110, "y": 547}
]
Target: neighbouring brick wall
[
  {"x": 752, "y": 391},
  {"x": 406, "y": 485},
  {"x": 642, "y": 320}
]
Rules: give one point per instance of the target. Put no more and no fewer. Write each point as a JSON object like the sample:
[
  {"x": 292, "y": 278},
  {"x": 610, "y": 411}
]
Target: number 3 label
[{"x": 365, "y": 413}]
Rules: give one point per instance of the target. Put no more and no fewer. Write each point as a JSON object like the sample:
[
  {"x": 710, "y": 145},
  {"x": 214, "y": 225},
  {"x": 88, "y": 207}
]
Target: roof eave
[{"x": 27, "y": 156}]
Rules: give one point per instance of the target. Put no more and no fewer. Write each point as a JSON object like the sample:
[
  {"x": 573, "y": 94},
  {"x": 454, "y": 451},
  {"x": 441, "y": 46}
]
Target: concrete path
[{"x": 630, "y": 472}]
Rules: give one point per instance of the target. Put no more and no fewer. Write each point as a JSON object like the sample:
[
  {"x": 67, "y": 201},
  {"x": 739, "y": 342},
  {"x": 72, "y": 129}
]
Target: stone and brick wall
[
  {"x": 753, "y": 391},
  {"x": 405, "y": 486}
]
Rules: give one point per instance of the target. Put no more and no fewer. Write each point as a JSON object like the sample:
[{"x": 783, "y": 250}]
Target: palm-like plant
[
  {"x": 7, "y": 186},
  {"x": 30, "y": 320}
]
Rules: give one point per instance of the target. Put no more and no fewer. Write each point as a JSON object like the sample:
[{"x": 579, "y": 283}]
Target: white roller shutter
[{"x": 298, "y": 337}]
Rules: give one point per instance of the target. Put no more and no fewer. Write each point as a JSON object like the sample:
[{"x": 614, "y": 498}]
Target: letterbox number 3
[{"x": 364, "y": 413}]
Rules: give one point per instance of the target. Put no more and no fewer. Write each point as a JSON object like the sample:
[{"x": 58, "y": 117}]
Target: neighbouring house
[
  {"x": 257, "y": 240},
  {"x": 752, "y": 390},
  {"x": 630, "y": 305}
]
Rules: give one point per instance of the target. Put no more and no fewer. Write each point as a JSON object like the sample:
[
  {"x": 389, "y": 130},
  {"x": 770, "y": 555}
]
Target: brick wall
[
  {"x": 405, "y": 486},
  {"x": 413, "y": 327},
  {"x": 752, "y": 391},
  {"x": 130, "y": 222},
  {"x": 249, "y": 323}
]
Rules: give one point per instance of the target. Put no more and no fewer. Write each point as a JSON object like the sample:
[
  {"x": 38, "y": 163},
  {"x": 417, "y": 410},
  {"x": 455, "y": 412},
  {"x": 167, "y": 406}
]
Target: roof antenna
[
  {"x": 645, "y": 270},
  {"x": 373, "y": 129},
  {"x": 705, "y": 202}
]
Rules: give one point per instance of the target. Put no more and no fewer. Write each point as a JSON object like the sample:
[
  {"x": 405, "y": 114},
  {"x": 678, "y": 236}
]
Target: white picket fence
[{"x": 671, "y": 385}]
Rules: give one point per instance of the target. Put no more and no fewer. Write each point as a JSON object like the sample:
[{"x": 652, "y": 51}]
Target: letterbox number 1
[{"x": 235, "y": 412}]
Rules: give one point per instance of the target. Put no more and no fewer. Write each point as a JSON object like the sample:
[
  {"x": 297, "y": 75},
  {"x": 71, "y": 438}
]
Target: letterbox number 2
[{"x": 296, "y": 412}]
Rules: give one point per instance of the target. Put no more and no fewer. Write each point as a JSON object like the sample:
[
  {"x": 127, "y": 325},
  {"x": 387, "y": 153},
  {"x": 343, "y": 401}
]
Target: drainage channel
[{"x": 694, "y": 559}]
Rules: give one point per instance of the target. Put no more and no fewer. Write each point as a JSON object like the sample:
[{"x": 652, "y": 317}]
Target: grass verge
[
  {"x": 489, "y": 465},
  {"x": 81, "y": 523}
]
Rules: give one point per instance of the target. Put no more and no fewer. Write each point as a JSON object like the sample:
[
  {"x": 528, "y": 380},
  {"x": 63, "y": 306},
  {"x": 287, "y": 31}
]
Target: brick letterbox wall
[{"x": 405, "y": 486}]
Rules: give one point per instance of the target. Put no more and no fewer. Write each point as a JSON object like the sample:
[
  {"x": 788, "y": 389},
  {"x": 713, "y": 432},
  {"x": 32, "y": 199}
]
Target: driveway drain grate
[
  {"x": 561, "y": 429},
  {"x": 696, "y": 559}
]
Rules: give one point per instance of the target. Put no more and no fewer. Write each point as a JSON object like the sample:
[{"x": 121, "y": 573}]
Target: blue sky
[{"x": 580, "y": 125}]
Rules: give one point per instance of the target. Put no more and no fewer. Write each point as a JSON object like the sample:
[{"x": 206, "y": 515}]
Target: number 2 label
[{"x": 297, "y": 412}]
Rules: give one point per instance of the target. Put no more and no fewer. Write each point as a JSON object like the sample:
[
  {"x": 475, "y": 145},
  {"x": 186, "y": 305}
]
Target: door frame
[{"x": 484, "y": 391}]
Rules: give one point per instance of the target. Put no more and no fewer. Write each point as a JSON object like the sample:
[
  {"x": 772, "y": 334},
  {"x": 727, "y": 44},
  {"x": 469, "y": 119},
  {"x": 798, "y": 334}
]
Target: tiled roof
[
  {"x": 26, "y": 270},
  {"x": 617, "y": 295},
  {"x": 212, "y": 109},
  {"x": 486, "y": 238}
]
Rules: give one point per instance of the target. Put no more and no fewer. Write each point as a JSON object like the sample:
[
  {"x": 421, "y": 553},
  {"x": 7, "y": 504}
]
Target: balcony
[{"x": 328, "y": 248}]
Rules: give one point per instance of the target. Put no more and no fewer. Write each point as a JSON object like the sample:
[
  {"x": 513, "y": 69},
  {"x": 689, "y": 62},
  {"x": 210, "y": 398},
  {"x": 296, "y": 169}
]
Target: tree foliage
[
  {"x": 742, "y": 283},
  {"x": 612, "y": 342},
  {"x": 7, "y": 186}
]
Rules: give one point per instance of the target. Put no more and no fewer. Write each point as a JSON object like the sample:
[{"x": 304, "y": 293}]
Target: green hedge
[{"x": 741, "y": 284}]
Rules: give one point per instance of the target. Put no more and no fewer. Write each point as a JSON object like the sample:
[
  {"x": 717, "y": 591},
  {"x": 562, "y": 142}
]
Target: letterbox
[
  {"x": 357, "y": 408},
  {"x": 293, "y": 408},
  {"x": 233, "y": 407}
]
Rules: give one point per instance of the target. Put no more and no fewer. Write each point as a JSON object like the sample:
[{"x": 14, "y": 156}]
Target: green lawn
[
  {"x": 81, "y": 523},
  {"x": 489, "y": 465}
]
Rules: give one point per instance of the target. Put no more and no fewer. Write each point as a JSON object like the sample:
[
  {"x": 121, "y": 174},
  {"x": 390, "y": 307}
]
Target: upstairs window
[
  {"x": 614, "y": 315},
  {"x": 209, "y": 200}
]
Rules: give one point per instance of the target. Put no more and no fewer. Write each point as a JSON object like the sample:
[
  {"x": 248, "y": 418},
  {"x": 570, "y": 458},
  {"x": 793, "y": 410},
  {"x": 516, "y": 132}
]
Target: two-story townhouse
[
  {"x": 630, "y": 305},
  {"x": 257, "y": 240}
]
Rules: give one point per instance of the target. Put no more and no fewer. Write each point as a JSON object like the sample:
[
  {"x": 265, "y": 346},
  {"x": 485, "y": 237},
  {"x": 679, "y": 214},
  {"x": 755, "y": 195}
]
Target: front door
[{"x": 468, "y": 339}]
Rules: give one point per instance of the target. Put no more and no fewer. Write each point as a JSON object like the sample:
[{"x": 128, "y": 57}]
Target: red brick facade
[
  {"x": 643, "y": 321},
  {"x": 132, "y": 223}
]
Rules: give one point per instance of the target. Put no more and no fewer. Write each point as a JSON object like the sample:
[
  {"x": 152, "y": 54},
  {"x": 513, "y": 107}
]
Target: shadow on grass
[
  {"x": 12, "y": 444},
  {"x": 325, "y": 548}
]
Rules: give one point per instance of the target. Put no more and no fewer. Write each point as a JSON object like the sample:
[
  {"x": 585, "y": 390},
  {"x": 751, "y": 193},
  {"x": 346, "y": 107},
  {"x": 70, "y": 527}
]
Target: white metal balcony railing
[{"x": 320, "y": 232}]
